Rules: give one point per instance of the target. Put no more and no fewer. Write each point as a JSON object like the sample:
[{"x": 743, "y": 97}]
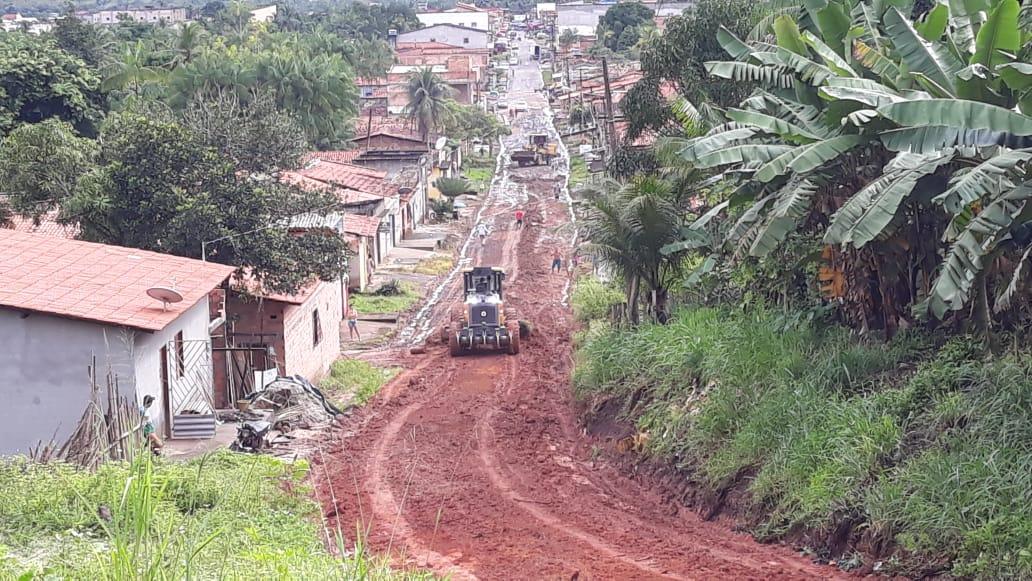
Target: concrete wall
[
  {"x": 459, "y": 37},
  {"x": 147, "y": 353},
  {"x": 303, "y": 356},
  {"x": 44, "y": 384},
  {"x": 478, "y": 20}
]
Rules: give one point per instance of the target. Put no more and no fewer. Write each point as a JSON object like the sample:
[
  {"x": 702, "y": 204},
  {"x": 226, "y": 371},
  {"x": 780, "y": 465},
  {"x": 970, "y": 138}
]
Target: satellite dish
[
  {"x": 440, "y": 142},
  {"x": 164, "y": 294}
]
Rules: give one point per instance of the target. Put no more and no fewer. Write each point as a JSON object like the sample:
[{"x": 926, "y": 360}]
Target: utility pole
[
  {"x": 610, "y": 125},
  {"x": 369, "y": 129}
]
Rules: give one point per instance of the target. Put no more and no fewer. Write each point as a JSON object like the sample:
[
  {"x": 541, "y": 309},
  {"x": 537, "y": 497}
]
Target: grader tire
[
  {"x": 514, "y": 338},
  {"x": 454, "y": 349}
]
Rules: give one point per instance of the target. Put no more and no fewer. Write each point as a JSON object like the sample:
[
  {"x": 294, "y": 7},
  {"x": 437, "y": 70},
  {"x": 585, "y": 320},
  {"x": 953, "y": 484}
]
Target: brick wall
[{"x": 301, "y": 356}]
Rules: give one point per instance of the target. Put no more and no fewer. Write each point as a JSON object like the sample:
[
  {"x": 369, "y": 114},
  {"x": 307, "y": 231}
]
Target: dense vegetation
[
  {"x": 829, "y": 243},
  {"x": 224, "y": 516}
]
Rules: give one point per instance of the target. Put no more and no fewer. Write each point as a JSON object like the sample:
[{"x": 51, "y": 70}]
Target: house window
[
  {"x": 432, "y": 39},
  {"x": 180, "y": 355},
  {"x": 316, "y": 328},
  {"x": 465, "y": 40}
]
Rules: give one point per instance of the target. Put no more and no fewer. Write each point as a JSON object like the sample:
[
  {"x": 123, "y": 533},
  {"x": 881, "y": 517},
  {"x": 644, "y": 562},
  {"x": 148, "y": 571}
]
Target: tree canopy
[
  {"x": 39, "y": 81},
  {"x": 619, "y": 27}
]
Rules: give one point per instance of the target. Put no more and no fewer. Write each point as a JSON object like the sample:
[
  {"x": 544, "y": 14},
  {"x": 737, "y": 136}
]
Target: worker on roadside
[
  {"x": 557, "y": 261},
  {"x": 352, "y": 316},
  {"x": 520, "y": 214},
  {"x": 147, "y": 419}
]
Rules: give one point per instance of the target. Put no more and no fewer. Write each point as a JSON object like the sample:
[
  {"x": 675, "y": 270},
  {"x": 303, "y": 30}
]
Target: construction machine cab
[{"x": 483, "y": 281}]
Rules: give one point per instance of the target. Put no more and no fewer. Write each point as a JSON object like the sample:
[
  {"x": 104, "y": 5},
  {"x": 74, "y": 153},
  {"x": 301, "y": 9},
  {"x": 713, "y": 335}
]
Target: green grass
[
  {"x": 352, "y": 381},
  {"x": 927, "y": 448},
  {"x": 223, "y": 516},
  {"x": 592, "y": 300},
  {"x": 546, "y": 77},
  {"x": 578, "y": 172},
  {"x": 479, "y": 172},
  {"x": 434, "y": 265},
  {"x": 366, "y": 303}
]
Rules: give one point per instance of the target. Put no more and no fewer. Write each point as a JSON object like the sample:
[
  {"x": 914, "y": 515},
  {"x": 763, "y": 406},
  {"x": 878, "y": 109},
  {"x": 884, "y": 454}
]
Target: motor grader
[
  {"x": 482, "y": 320},
  {"x": 538, "y": 151}
]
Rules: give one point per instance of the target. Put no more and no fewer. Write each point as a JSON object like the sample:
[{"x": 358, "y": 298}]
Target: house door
[{"x": 166, "y": 395}]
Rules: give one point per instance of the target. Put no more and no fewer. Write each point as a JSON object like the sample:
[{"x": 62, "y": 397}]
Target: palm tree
[
  {"x": 429, "y": 105},
  {"x": 628, "y": 226},
  {"x": 188, "y": 43},
  {"x": 133, "y": 69}
]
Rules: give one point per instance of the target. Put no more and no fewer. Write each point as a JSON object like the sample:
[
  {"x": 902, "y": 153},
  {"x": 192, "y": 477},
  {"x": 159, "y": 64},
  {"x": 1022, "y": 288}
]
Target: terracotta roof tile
[
  {"x": 349, "y": 176},
  {"x": 345, "y": 195},
  {"x": 361, "y": 225},
  {"x": 48, "y": 225},
  {"x": 341, "y": 156},
  {"x": 99, "y": 282}
]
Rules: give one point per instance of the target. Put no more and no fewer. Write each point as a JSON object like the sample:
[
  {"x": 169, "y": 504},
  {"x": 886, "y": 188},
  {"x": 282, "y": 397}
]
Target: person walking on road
[
  {"x": 481, "y": 231},
  {"x": 557, "y": 261},
  {"x": 520, "y": 214},
  {"x": 352, "y": 317}
]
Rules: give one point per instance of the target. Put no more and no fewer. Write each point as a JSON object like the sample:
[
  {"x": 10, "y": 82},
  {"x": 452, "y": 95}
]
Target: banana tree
[{"x": 867, "y": 122}]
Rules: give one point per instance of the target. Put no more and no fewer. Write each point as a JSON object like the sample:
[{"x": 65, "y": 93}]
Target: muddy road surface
[{"x": 475, "y": 467}]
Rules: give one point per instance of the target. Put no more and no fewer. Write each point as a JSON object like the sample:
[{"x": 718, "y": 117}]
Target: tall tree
[{"x": 429, "y": 102}]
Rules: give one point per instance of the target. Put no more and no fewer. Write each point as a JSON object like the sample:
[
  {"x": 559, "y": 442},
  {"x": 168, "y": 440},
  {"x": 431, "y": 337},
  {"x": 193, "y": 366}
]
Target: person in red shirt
[{"x": 519, "y": 218}]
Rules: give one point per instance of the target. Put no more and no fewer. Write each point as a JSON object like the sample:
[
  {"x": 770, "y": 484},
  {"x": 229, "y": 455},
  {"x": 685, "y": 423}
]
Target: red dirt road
[{"x": 475, "y": 467}]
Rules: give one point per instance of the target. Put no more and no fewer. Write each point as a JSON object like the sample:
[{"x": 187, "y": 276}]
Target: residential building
[
  {"x": 264, "y": 15},
  {"x": 66, "y": 305},
  {"x": 150, "y": 14},
  {"x": 437, "y": 53},
  {"x": 372, "y": 96},
  {"x": 449, "y": 34},
  {"x": 14, "y": 21},
  {"x": 457, "y": 16}
]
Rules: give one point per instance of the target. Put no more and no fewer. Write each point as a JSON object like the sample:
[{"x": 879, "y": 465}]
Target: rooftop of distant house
[
  {"x": 46, "y": 224},
  {"x": 99, "y": 282}
]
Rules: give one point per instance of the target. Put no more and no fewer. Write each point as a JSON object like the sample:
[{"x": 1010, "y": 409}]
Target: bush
[
  {"x": 929, "y": 448},
  {"x": 592, "y": 300}
]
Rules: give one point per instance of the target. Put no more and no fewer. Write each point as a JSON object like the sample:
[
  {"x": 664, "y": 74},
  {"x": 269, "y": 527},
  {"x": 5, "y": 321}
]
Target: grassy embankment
[
  {"x": 224, "y": 516},
  {"x": 924, "y": 449},
  {"x": 352, "y": 381}
]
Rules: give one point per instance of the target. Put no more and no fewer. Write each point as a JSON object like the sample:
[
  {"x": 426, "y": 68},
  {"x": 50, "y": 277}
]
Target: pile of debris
[{"x": 275, "y": 414}]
